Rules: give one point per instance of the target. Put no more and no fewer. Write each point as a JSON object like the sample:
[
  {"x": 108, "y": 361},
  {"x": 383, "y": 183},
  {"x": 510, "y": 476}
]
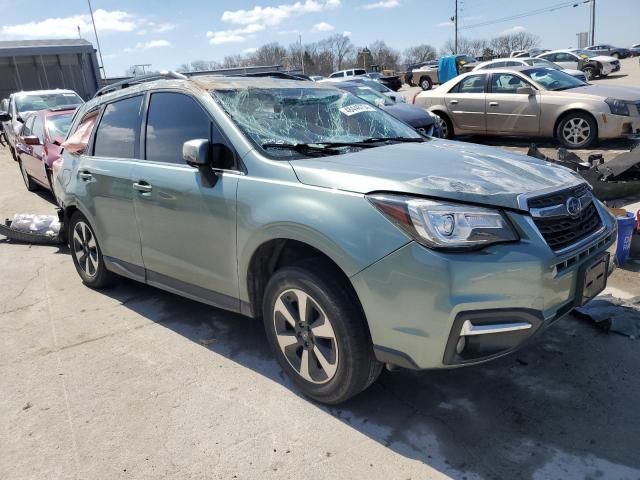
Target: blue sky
[{"x": 167, "y": 34}]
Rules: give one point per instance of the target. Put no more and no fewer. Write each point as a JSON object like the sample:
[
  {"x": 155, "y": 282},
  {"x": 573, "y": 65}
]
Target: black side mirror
[
  {"x": 31, "y": 140},
  {"x": 4, "y": 117},
  {"x": 20, "y": 119}
]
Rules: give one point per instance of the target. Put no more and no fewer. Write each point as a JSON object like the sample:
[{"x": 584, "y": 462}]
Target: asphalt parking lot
[{"x": 134, "y": 382}]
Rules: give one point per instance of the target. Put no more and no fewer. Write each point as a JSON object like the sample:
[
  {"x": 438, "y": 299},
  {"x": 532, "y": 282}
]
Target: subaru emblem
[{"x": 574, "y": 206}]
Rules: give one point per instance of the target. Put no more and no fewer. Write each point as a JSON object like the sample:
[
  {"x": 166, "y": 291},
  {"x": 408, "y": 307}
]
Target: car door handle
[
  {"x": 453, "y": 102},
  {"x": 493, "y": 104},
  {"x": 86, "y": 176},
  {"x": 142, "y": 186}
]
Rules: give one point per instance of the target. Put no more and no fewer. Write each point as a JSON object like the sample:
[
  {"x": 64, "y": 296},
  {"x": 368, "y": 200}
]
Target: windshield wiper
[
  {"x": 329, "y": 147},
  {"x": 390, "y": 139}
]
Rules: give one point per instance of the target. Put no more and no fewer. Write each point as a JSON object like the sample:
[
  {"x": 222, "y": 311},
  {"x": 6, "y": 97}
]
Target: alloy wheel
[
  {"x": 85, "y": 249},
  {"x": 444, "y": 128},
  {"x": 305, "y": 336},
  {"x": 576, "y": 131}
]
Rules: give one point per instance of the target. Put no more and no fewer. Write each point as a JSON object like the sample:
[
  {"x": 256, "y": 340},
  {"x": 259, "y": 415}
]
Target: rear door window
[
  {"x": 471, "y": 84},
  {"x": 173, "y": 119},
  {"x": 118, "y": 130},
  {"x": 26, "y": 128}
]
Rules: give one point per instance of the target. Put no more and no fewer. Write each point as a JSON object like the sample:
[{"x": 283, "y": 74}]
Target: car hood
[
  {"x": 411, "y": 114},
  {"x": 603, "y": 58},
  {"x": 572, "y": 72},
  {"x": 614, "y": 91},
  {"x": 436, "y": 168}
]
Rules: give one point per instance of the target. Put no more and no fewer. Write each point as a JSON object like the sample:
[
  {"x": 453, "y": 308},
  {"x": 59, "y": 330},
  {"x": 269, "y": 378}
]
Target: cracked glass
[{"x": 306, "y": 115}]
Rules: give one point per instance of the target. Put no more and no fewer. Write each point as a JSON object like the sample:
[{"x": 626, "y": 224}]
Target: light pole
[
  {"x": 593, "y": 22},
  {"x": 104, "y": 74}
]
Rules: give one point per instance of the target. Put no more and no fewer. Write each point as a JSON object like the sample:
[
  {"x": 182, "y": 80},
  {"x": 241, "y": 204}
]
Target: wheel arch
[
  {"x": 275, "y": 253},
  {"x": 570, "y": 110}
]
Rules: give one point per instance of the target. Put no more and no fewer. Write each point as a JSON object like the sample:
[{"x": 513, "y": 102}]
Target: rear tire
[
  {"x": 28, "y": 181},
  {"x": 426, "y": 83},
  {"x": 86, "y": 254},
  {"x": 318, "y": 333},
  {"x": 577, "y": 130}
]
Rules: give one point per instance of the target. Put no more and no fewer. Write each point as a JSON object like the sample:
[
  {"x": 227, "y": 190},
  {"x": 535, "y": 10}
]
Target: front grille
[
  {"x": 563, "y": 231},
  {"x": 558, "y": 198}
]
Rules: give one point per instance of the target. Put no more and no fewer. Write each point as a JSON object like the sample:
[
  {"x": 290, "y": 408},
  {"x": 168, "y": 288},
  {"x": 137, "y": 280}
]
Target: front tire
[
  {"x": 590, "y": 72},
  {"x": 577, "y": 130},
  {"x": 86, "y": 254},
  {"x": 318, "y": 333}
]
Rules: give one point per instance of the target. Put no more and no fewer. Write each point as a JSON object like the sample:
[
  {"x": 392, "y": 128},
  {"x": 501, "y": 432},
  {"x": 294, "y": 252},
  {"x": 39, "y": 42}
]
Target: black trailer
[{"x": 47, "y": 64}]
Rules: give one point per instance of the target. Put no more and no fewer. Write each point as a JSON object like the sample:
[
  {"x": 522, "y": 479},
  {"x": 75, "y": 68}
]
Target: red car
[{"x": 38, "y": 145}]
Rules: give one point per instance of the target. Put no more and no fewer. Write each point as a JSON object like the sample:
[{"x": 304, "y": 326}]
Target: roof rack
[
  {"x": 274, "y": 74},
  {"x": 141, "y": 79}
]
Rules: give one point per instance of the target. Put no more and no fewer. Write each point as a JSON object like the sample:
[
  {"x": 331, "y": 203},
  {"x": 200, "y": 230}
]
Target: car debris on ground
[
  {"x": 613, "y": 314},
  {"x": 33, "y": 229},
  {"x": 617, "y": 178}
]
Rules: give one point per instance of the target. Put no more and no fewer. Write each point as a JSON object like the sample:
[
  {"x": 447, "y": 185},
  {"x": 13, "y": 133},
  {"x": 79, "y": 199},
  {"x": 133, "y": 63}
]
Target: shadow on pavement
[{"x": 569, "y": 397}]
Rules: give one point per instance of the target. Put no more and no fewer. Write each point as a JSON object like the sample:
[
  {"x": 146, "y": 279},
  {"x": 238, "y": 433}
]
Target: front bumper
[
  {"x": 617, "y": 126},
  {"x": 417, "y": 300}
]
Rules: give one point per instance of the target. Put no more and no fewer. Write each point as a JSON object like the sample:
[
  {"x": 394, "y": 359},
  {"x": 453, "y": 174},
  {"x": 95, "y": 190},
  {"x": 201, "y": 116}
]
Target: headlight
[
  {"x": 443, "y": 225},
  {"x": 617, "y": 106}
]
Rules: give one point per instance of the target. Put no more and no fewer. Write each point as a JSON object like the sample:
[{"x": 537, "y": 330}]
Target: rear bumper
[{"x": 418, "y": 302}]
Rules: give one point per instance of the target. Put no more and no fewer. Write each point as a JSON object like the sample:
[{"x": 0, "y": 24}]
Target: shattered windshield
[{"x": 307, "y": 116}]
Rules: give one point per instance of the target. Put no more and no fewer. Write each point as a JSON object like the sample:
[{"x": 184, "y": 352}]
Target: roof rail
[{"x": 141, "y": 79}]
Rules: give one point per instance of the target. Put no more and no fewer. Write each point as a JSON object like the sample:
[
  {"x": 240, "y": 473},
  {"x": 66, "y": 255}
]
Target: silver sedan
[{"x": 534, "y": 102}]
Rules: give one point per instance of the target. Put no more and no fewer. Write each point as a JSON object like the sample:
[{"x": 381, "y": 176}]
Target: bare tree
[
  {"x": 340, "y": 46},
  {"x": 449, "y": 48},
  {"x": 270, "y": 54},
  {"x": 419, "y": 53},
  {"x": 384, "y": 56}
]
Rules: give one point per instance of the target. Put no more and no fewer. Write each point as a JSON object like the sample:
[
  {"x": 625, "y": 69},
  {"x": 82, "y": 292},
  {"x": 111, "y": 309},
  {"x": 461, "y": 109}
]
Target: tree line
[{"x": 338, "y": 52}]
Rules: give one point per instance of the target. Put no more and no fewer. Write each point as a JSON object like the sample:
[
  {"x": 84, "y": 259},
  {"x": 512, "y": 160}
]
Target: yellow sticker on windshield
[
  {"x": 583, "y": 55},
  {"x": 462, "y": 62}
]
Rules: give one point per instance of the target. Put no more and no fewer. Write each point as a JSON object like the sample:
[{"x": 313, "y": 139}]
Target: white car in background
[
  {"x": 591, "y": 64},
  {"x": 529, "y": 62}
]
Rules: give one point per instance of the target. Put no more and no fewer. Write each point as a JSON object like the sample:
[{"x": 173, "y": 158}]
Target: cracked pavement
[{"x": 137, "y": 383}]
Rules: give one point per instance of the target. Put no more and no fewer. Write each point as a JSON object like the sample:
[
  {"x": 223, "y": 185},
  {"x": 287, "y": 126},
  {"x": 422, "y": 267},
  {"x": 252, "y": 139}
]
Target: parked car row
[{"x": 533, "y": 101}]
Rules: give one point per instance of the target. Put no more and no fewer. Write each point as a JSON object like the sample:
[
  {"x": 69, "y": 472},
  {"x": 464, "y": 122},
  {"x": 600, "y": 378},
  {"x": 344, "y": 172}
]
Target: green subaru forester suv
[{"x": 359, "y": 242}]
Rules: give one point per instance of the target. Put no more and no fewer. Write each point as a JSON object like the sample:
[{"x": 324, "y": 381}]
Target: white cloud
[
  {"x": 347, "y": 33},
  {"x": 382, "y": 4},
  {"x": 322, "y": 27},
  {"x": 164, "y": 27},
  {"x": 271, "y": 16},
  {"x": 67, "y": 27},
  {"x": 153, "y": 44},
  {"x": 514, "y": 29},
  {"x": 289, "y": 32},
  {"x": 237, "y": 35},
  {"x": 250, "y": 50}
]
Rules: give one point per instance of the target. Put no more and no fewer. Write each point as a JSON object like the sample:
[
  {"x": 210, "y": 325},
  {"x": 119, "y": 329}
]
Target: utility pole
[
  {"x": 301, "y": 52},
  {"x": 104, "y": 74},
  {"x": 456, "y": 27},
  {"x": 593, "y": 22}
]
